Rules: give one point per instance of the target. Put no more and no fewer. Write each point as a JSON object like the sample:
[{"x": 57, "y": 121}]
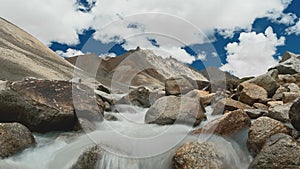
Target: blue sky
[{"x": 239, "y": 36}]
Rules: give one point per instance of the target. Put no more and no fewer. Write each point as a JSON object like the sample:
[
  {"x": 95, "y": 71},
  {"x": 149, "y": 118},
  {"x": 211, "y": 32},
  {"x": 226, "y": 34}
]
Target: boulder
[
  {"x": 141, "y": 97},
  {"x": 198, "y": 155},
  {"x": 279, "y": 93},
  {"x": 171, "y": 109},
  {"x": 260, "y": 106},
  {"x": 85, "y": 125},
  {"x": 138, "y": 97},
  {"x": 204, "y": 97},
  {"x": 228, "y": 105},
  {"x": 274, "y": 103},
  {"x": 289, "y": 64},
  {"x": 47, "y": 105},
  {"x": 255, "y": 113},
  {"x": 281, "y": 151},
  {"x": 252, "y": 93},
  {"x": 178, "y": 85},
  {"x": 89, "y": 159},
  {"x": 227, "y": 124},
  {"x": 267, "y": 81},
  {"x": 262, "y": 129},
  {"x": 290, "y": 97},
  {"x": 14, "y": 137},
  {"x": 279, "y": 112},
  {"x": 294, "y": 114},
  {"x": 286, "y": 78},
  {"x": 292, "y": 87}
]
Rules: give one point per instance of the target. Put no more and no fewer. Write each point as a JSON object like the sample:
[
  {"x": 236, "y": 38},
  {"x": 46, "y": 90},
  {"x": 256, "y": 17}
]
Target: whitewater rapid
[{"x": 129, "y": 143}]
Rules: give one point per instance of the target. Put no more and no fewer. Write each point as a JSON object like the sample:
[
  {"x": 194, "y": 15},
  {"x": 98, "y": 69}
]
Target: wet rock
[
  {"x": 252, "y": 93},
  {"x": 198, "y": 155},
  {"x": 290, "y": 97},
  {"x": 110, "y": 117},
  {"x": 89, "y": 159},
  {"x": 262, "y": 129},
  {"x": 267, "y": 81},
  {"x": 85, "y": 125},
  {"x": 14, "y": 137},
  {"x": 204, "y": 97},
  {"x": 279, "y": 112},
  {"x": 281, "y": 151},
  {"x": 227, "y": 124},
  {"x": 49, "y": 105},
  {"x": 294, "y": 114},
  {"x": 178, "y": 86},
  {"x": 289, "y": 64},
  {"x": 171, "y": 109},
  {"x": 228, "y": 105},
  {"x": 255, "y": 113}
]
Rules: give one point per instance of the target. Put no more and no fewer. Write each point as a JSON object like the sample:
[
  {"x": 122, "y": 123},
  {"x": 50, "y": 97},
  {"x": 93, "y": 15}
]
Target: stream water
[{"x": 129, "y": 143}]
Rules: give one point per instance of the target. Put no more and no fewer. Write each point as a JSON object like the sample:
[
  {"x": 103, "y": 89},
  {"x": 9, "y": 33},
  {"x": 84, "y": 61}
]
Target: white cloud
[
  {"x": 214, "y": 54},
  {"x": 279, "y": 17},
  {"x": 294, "y": 29},
  {"x": 53, "y": 20},
  {"x": 69, "y": 53},
  {"x": 202, "y": 56},
  {"x": 60, "y": 20},
  {"x": 253, "y": 54}
]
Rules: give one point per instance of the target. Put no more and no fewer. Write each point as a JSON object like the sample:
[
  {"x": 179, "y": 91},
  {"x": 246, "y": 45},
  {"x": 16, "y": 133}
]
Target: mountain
[
  {"x": 22, "y": 55},
  {"x": 137, "y": 67}
]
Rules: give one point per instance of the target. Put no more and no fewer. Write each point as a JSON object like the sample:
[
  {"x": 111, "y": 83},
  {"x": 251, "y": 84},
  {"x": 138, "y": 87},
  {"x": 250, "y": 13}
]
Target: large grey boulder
[
  {"x": 280, "y": 151},
  {"x": 49, "y": 105},
  {"x": 261, "y": 130},
  {"x": 279, "y": 112},
  {"x": 14, "y": 137},
  {"x": 172, "y": 109},
  {"x": 294, "y": 114}
]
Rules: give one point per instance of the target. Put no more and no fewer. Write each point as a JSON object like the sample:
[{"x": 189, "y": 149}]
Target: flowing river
[{"x": 129, "y": 143}]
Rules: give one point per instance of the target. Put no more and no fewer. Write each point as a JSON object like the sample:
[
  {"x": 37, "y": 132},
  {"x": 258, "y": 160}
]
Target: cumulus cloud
[
  {"x": 295, "y": 29},
  {"x": 69, "y": 53},
  {"x": 202, "y": 56},
  {"x": 281, "y": 18},
  {"x": 253, "y": 54}
]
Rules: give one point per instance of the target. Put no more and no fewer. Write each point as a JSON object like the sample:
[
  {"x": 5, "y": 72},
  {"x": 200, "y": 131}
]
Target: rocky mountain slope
[
  {"x": 22, "y": 55},
  {"x": 138, "y": 67}
]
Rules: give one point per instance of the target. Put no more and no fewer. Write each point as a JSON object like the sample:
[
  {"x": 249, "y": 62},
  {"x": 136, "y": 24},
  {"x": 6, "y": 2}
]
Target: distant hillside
[{"x": 22, "y": 55}]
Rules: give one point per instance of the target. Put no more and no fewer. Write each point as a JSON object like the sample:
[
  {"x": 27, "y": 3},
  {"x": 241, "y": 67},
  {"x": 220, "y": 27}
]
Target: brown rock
[
  {"x": 279, "y": 93},
  {"x": 14, "y": 137},
  {"x": 262, "y": 129},
  {"x": 290, "y": 97},
  {"x": 228, "y": 104},
  {"x": 178, "y": 85},
  {"x": 172, "y": 109},
  {"x": 260, "y": 106},
  {"x": 274, "y": 103},
  {"x": 138, "y": 97},
  {"x": 255, "y": 113},
  {"x": 204, "y": 97},
  {"x": 251, "y": 93},
  {"x": 195, "y": 155},
  {"x": 227, "y": 124},
  {"x": 46, "y": 105}
]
